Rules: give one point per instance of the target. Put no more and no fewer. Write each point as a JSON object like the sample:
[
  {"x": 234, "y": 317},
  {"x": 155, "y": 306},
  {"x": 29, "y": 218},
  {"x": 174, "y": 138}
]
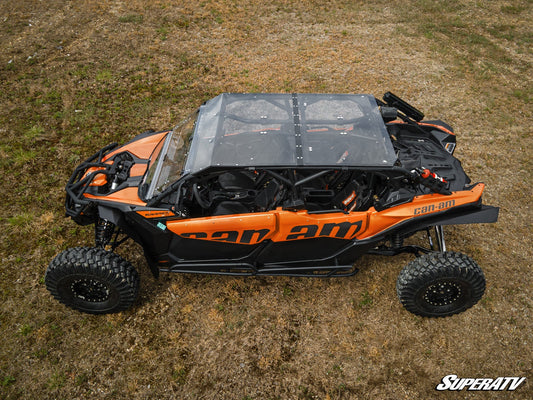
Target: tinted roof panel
[{"x": 265, "y": 130}]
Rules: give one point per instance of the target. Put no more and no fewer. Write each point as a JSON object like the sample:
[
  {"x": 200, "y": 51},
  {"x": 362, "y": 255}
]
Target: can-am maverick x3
[{"x": 276, "y": 184}]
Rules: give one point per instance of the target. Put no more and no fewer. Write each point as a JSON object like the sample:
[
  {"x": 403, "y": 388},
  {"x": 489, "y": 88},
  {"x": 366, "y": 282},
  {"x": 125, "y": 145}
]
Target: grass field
[{"x": 77, "y": 75}]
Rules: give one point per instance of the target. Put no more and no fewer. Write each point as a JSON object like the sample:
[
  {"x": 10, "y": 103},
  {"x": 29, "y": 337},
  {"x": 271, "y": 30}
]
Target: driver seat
[
  {"x": 230, "y": 207},
  {"x": 236, "y": 180}
]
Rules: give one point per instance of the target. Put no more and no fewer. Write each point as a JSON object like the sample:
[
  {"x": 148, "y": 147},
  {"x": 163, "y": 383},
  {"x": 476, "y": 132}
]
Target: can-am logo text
[{"x": 453, "y": 382}]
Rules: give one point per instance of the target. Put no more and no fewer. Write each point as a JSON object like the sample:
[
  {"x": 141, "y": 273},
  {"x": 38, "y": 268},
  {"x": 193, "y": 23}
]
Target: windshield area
[{"x": 168, "y": 166}]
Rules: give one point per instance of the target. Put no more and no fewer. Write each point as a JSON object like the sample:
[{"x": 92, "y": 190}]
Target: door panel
[
  {"x": 221, "y": 237},
  {"x": 293, "y": 235}
]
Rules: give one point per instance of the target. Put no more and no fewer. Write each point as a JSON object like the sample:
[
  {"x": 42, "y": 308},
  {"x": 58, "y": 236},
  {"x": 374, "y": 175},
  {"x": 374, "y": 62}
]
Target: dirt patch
[{"x": 79, "y": 75}]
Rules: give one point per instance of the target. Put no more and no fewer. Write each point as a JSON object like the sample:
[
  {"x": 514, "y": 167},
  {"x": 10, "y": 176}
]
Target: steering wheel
[{"x": 198, "y": 197}]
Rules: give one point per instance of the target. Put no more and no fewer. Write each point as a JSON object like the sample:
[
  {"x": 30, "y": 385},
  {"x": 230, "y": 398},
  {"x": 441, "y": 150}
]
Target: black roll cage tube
[
  {"x": 293, "y": 185},
  {"x": 77, "y": 185}
]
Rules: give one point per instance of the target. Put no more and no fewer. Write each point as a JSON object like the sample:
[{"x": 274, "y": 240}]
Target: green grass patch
[
  {"x": 56, "y": 381},
  {"x": 8, "y": 381},
  {"x": 25, "y": 330},
  {"x": 366, "y": 300},
  {"x": 20, "y": 157},
  {"x": 81, "y": 379},
  {"x": 287, "y": 291},
  {"x": 34, "y": 132},
  {"x": 437, "y": 6},
  {"x": 104, "y": 76},
  {"x": 20, "y": 220},
  {"x": 131, "y": 19},
  {"x": 41, "y": 353},
  {"x": 53, "y": 96},
  {"x": 512, "y": 9},
  {"x": 180, "y": 375},
  {"x": 217, "y": 16},
  {"x": 523, "y": 94},
  {"x": 163, "y": 32}
]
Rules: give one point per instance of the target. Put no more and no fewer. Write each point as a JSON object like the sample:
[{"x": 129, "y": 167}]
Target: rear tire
[
  {"x": 440, "y": 284},
  {"x": 92, "y": 280}
]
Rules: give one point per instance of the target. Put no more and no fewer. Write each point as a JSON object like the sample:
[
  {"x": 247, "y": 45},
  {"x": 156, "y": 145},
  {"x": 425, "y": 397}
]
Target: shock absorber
[
  {"x": 103, "y": 232},
  {"x": 396, "y": 241}
]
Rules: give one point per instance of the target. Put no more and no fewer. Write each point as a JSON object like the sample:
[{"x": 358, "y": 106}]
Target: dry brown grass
[{"x": 78, "y": 75}]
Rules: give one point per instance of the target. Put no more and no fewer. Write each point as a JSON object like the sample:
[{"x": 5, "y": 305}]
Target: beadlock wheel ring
[
  {"x": 442, "y": 293},
  {"x": 91, "y": 290},
  {"x": 87, "y": 292}
]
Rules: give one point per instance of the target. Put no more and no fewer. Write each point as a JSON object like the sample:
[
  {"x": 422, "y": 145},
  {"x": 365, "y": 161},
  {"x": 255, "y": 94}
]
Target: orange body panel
[
  {"x": 99, "y": 179},
  {"x": 141, "y": 148},
  {"x": 301, "y": 225},
  {"x": 421, "y": 205},
  {"x": 250, "y": 228},
  {"x": 280, "y": 225},
  {"x": 138, "y": 169},
  {"x": 277, "y": 225},
  {"x": 128, "y": 195}
]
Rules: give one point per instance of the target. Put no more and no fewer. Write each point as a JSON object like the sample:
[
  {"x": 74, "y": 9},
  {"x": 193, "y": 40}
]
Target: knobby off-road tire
[
  {"x": 92, "y": 280},
  {"x": 440, "y": 284}
]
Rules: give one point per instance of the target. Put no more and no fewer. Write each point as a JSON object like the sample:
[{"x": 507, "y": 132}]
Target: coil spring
[
  {"x": 396, "y": 241},
  {"x": 103, "y": 232}
]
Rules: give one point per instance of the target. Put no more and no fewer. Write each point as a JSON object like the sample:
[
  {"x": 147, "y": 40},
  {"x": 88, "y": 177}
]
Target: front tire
[
  {"x": 440, "y": 284},
  {"x": 92, "y": 280}
]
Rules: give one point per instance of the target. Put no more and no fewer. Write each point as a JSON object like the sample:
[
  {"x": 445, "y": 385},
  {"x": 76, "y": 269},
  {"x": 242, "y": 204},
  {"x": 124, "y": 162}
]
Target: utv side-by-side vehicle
[{"x": 276, "y": 184}]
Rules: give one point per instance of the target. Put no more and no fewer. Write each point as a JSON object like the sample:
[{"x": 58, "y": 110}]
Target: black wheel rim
[
  {"x": 90, "y": 290},
  {"x": 443, "y": 293}
]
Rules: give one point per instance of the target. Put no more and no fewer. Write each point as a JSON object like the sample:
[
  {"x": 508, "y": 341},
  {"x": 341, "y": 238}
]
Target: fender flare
[{"x": 458, "y": 216}]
